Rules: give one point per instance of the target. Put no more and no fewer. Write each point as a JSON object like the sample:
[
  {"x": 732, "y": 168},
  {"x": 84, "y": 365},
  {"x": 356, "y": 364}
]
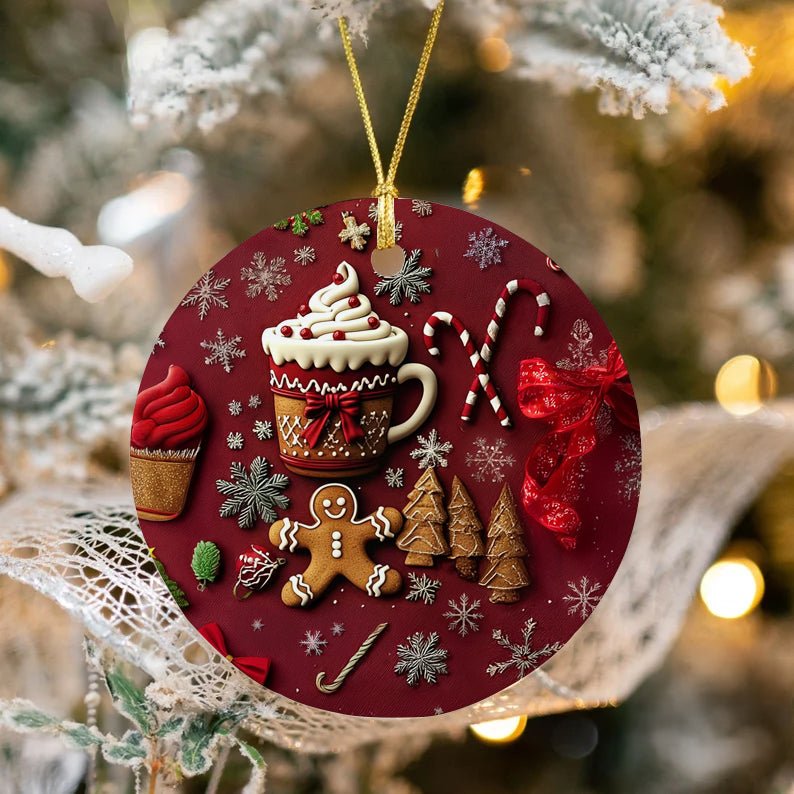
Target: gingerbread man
[{"x": 336, "y": 541}]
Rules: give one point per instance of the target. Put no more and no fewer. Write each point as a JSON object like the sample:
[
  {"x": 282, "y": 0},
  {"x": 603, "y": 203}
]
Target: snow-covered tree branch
[{"x": 639, "y": 53}]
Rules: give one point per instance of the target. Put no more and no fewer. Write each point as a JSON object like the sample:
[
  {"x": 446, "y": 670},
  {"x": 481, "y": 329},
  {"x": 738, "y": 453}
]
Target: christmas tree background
[{"x": 680, "y": 226}]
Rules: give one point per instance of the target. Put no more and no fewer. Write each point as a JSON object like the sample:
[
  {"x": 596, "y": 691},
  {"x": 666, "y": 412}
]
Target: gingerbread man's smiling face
[{"x": 334, "y": 503}]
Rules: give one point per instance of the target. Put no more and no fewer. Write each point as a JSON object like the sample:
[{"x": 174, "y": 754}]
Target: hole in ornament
[{"x": 388, "y": 261}]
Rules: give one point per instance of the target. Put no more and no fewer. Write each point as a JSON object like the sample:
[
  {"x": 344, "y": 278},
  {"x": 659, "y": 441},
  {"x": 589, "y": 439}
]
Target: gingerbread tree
[
  {"x": 505, "y": 573},
  {"x": 423, "y": 534},
  {"x": 465, "y": 531}
]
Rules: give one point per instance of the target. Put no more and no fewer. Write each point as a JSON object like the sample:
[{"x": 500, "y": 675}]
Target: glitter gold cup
[{"x": 160, "y": 481}]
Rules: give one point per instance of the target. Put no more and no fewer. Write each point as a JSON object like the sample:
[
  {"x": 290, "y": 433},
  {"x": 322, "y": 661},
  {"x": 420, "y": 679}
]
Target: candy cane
[
  {"x": 482, "y": 376},
  {"x": 495, "y": 325},
  {"x": 328, "y": 689}
]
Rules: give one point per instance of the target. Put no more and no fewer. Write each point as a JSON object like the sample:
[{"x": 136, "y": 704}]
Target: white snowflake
[
  {"x": 395, "y": 478},
  {"x": 421, "y": 208},
  {"x": 313, "y": 642},
  {"x": 235, "y": 407},
  {"x": 257, "y": 624},
  {"x": 253, "y": 493},
  {"x": 489, "y": 460},
  {"x": 422, "y": 588},
  {"x": 582, "y": 598},
  {"x": 409, "y": 283},
  {"x": 438, "y": 711},
  {"x": 484, "y": 248},
  {"x": 372, "y": 213},
  {"x": 263, "y": 430},
  {"x": 464, "y": 616},
  {"x": 305, "y": 255},
  {"x": 354, "y": 233},
  {"x": 523, "y": 657},
  {"x": 223, "y": 351},
  {"x": 629, "y": 466},
  {"x": 207, "y": 292},
  {"x": 268, "y": 277},
  {"x": 432, "y": 451},
  {"x": 581, "y": 348},
  {"x": 421, "y": 658},
  {"x": 159, "y": 344},
  {"x": 337, "y": 630},
  {"x": 235, "y": 441},
  {"x": 254, "y": 401}
]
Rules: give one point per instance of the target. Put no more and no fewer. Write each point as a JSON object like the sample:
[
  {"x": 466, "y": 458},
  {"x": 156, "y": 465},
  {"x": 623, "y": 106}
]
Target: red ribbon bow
[
  {"x": 257, "y": 667},
  {"x": 569, "y": 400},
  {"x": 319, "y": 408}
]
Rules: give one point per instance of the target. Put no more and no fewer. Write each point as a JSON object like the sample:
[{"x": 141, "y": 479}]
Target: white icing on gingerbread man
[{"x": 337, "y": 544}]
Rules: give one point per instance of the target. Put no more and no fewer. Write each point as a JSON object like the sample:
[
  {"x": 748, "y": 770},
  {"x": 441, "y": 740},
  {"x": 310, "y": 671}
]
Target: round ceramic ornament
[{"x": 386, "y": 494}]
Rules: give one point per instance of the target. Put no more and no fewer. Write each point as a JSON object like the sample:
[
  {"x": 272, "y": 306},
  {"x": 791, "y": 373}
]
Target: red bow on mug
[
  {"x": 319, "y": 408},
  {"x": 257, "y": 667},
  {"x": 569, "y": 401}
]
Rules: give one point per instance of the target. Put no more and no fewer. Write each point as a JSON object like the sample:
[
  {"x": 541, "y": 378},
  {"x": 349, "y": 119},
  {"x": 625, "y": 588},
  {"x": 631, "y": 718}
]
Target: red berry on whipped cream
[
  {"x": 338, "y": 278},
  {"x": 373, "y": 321},
  {"x": 286, "y": 330},
  {"x": 306, "y": 333},
  {"x": 353, "y": 301},
  {"x": 303, "y": 309},
  {"x": 339, "y": 335}
]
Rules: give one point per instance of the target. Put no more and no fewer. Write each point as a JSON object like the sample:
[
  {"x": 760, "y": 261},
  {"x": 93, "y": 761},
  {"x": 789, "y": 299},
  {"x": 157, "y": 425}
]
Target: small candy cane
[
  {"x": 327, "y": 689},
  {"x": 482, "y": 376},
  {"x": 495, "y": 325}
]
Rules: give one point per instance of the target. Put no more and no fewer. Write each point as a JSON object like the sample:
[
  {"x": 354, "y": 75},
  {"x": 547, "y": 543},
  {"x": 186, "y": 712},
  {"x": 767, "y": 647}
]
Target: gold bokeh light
[
  {"x": 507, "y": 729},
  {"x": 744, "y": 384},
  {"x": 732, "y": 588}
]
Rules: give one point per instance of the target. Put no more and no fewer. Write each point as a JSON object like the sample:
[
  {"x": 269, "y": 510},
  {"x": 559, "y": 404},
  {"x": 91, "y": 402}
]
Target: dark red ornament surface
[{"x": 261, "y": 625}]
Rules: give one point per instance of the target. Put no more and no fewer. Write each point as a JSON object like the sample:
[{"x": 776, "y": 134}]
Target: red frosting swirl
[{"x": 169, "y": 415}]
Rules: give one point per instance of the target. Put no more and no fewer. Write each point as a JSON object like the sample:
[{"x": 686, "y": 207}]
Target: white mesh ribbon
[{"x": 80, "y": 545}]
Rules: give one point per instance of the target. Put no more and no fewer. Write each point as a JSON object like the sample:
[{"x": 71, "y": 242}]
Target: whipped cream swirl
[{"x": 331, "y": 310}]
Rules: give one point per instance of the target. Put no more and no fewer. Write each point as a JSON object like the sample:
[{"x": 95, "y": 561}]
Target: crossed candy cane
[{"x": 480, "y": 360}]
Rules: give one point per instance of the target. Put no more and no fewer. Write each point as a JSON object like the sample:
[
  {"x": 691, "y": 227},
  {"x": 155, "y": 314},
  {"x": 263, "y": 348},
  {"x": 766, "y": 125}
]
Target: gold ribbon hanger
[{"x": 386, "y": 191}]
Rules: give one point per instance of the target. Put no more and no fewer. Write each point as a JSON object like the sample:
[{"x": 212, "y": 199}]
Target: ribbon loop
[
  {"x": 257, "y": 667},
  {"x": 319, "y": 409},
  {"x": 569, "y": 401}
]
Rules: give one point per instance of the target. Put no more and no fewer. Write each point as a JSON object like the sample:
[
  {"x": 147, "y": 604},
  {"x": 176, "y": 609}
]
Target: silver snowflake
[
  {"x": 629, "y": 466},
  {"x": 266, "y": 277},
  {"x": 583, "y": 598},
  {"x": 257, "y": 624},
  {"x": 304, "y": 255},
  {"x": 484, "y": 248},
  {"x": 235, "y": 441},
  {"x": 254, "y": 401},
  {"x": 313, "y": 642},
  {"x": 395, "y": 478},
  {"x": 354, "y": 233},
  {"x": 207, "y": 292},
  {"x": 253, "y": 493},
  {"x": 422, "y": 588},
  {"x": 398, "y": 225},
  {"x": 263, "y": 430},
  {"x": 337, "y": 630},
  {"x": 235, "y": 407},
  {"x": 408, "y": 283},
  {"x": 159, "y": 344},
  {"x": 432, "y": 451},
  {"x": 421, "y": 658},
  {"x": 463, "y": 616},
  {"x": 438, "y": 711},
  {"x": 223, "y": 351},
  {"x": 421, "y": 208},
  {"x": 489, "y": 460},
  {"x": 523, "y": 657}
]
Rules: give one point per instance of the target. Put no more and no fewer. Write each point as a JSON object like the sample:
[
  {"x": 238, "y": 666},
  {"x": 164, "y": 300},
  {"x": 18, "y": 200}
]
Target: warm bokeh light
[
  {"x": 493, "y": 54},
  {"x": 473, "y": 187},
  {"x": 5, "y": 273},
  {"x": 732, "y": 588},
  {"x": 507, "y": 729},
  {"x": 744, "y": 384}
]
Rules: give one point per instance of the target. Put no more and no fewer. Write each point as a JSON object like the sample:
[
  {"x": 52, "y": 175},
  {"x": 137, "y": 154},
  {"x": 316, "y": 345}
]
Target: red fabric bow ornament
[
  {"x": 320, "y": 407},
  {"x": 569, "y": 401},
  {"x": 257, "y": 667}
]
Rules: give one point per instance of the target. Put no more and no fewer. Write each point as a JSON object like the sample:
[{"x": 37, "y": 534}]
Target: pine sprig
[
  {"x": 177, "y": 593},
  {"x": 300, "y": 222},
  {"x": 206, "y": 562}
]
